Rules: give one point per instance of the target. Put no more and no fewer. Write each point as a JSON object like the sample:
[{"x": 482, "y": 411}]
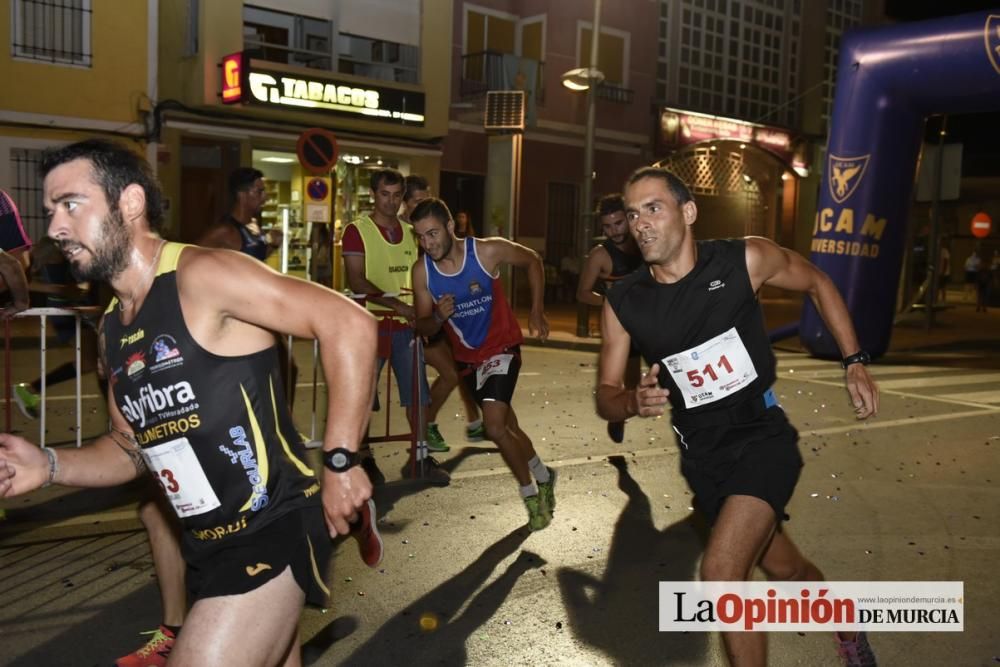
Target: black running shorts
[
  {"x": 298, "y": 539},
  {"x": 760, "y": 459},
  {"x": 498, "y": 386}
]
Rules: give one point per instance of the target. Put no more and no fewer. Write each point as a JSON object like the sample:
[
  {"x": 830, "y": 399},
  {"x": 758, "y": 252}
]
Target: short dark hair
[
  {"x": 115, "y": 167},
  {"x": 609, "y": 204},
  {"x": 677, "y": 187},
  {"x": 432, "y": 207},
  {"x": 411, "y": 184},
  {"x": 385, "y": 176},
  {"x": 242, "y": 179}
]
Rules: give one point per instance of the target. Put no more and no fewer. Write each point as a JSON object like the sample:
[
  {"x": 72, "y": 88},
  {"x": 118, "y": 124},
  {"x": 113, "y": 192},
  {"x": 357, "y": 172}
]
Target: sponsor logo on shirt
[
  {"x": 135, "y": 364},
  {"x": 715, "y": 284},
  {"x": 165, "y": 353},
  {"x": 168, "y": 401},
  {"x": 133, "y": 337}
]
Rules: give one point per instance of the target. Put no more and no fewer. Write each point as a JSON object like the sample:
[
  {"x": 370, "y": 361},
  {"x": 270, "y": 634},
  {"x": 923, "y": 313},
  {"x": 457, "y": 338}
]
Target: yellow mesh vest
[{"x": 387, "y": 265}]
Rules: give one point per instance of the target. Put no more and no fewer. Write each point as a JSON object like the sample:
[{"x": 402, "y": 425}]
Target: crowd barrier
[
  {"x": 43, "y": 314},
  {"x": 414, "y": 414}
]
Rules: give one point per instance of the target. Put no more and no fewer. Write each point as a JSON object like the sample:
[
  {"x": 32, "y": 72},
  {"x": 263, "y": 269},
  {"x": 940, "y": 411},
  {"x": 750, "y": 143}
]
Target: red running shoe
[
  {"x": 154, "y": 653},
  {"x": 365, "y": 531}
]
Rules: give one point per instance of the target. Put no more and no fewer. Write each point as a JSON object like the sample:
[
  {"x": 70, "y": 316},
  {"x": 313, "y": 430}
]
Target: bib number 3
[
  {"x": 717, "y": 368},
  {"x": 498, "y": 364},
  {"x": 175, "y": 466}
]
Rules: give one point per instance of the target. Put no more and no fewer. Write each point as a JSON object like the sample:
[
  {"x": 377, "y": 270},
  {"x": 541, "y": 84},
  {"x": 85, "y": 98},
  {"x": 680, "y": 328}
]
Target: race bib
[
  {"x": 498, "y": 364},
  {"x": 713, "y": 370},
  {"x": 176, "y": 468}
]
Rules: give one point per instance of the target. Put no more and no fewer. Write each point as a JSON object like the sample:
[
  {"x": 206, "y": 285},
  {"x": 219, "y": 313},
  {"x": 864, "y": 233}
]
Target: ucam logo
[
  {"x": 153, "y": 400},
  {"x": 992, "y": 40},
  {"x": 844, "y": 174}
]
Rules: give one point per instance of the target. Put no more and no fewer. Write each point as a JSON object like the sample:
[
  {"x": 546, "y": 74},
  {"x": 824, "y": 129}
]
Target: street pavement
[{"x": 909, "y": 495}]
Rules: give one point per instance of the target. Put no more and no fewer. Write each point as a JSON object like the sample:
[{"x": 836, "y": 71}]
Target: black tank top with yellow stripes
[{"x": 214, "y": 430}]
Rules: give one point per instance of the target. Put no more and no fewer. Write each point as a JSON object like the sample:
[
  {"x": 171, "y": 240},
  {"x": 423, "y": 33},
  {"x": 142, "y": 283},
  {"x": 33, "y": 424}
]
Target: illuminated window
[{"x": 52, "y": 32}]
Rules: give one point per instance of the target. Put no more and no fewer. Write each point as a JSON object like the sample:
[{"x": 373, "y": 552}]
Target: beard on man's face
[{"x": 109, "y": 255}]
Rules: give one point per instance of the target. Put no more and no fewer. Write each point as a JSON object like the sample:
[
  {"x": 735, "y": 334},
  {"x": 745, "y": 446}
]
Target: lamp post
[{"x": 579, "y": 79}]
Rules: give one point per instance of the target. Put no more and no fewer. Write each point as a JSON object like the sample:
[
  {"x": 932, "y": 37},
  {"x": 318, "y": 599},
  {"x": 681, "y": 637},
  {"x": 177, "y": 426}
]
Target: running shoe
[
  {"x": 538, "y": 515},
  {"x": 154, "y": 653},
  {"x": 26, "y": 400},
  {"x": 616, "y": 431},
  {"x": 432, "y": 472},
  {"x": 365, "y": 531},
  {"x": 435, "y": 442},
  {"x": 547, "y": 492},
  {"x": 371, "y": 469},
  {"x": 856, "y": 652},
  {"x": 475, "y": 433}
]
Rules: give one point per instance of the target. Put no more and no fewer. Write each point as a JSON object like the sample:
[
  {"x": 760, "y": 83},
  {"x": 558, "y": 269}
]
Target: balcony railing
[
  {"x": 360, "y": 56},
  {"x": 616, "y": 94},
  {"x": 282, "y": 53},
  {"x": 486, "y": 71}
]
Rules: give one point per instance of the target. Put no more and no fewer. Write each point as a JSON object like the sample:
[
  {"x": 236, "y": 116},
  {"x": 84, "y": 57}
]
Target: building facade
[
  {"x": 241, "y": 81},
  {"x": 747, "y": 88},
  {"x": 70, "y": 71}
]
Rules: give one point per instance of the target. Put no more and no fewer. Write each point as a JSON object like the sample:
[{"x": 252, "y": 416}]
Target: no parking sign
[{"x": 318, "y": 199}]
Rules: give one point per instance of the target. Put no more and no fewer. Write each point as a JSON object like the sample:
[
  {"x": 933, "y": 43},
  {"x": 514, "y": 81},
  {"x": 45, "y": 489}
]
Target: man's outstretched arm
[
  {"x": 347, "y": 335},
  {"x": 770, "y": 264}
]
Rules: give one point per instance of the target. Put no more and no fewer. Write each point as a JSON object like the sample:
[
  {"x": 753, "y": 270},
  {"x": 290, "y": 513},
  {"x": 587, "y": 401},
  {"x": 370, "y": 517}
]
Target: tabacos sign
[{"x": 244, "y": 82}]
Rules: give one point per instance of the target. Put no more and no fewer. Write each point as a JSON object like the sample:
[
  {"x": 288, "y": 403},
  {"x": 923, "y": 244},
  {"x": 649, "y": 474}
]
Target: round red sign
[
  {"x": 317, "y": 150},
  {"x": 982, "y": 223}
]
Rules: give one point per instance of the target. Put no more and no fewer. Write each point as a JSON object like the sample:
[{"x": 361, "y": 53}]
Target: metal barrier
[
  {"x": 416, "y": 415},
  {"x": 43, "y": 314}
]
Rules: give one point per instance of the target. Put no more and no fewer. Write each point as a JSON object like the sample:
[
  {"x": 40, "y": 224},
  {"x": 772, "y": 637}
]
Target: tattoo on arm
[{"x": 128, "y": 444}]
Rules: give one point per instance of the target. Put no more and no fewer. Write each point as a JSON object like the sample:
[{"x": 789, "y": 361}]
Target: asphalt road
[{"x": 910, "y": 495}]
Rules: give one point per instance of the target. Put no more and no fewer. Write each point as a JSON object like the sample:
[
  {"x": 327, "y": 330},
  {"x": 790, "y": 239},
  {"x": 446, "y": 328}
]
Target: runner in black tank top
[
  {"x": 694, "y": 315},
  {"x": 194, "y": 394},
  {"x": 616, "y": 257},
  {"x": 175, "y": 393}
]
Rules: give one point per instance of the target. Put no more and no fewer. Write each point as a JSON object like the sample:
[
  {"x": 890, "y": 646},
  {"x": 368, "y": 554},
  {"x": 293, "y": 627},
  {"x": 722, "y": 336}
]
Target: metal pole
[
  {"x": 934, "y": 243},
  {"x": 583, "y": 310}
]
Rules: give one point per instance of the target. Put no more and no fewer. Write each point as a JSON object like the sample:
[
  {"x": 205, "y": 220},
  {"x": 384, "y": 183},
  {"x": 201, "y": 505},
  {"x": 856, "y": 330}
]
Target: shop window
[{"x": 52, "y": 32}]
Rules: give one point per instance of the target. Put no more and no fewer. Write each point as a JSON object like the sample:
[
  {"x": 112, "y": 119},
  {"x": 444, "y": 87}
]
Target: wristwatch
[
  {"x": 340, "y": 459},
  {"x": 860, "y": 357}
]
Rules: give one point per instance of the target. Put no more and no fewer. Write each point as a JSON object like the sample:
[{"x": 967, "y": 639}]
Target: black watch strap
[
  {"x": 340, "y": 459},
  {"x": 860, "y": 357}
]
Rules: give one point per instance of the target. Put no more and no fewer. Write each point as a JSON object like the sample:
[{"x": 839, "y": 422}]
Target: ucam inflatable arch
[{"x": 890, "y": 79}]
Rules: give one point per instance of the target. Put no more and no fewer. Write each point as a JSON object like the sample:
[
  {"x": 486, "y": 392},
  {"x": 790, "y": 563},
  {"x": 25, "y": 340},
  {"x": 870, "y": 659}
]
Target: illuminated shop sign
[
  {"x": 282, "y": 89},
  {"x": 232, "y": 77},
  {"x": 682, "y": 128}
]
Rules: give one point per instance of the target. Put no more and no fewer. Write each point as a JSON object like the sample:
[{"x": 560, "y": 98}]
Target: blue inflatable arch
[{"x": 890, "y": 79}]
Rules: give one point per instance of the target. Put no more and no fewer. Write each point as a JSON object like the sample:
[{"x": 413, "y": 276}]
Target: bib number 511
[{"x": 697, "y": 377}]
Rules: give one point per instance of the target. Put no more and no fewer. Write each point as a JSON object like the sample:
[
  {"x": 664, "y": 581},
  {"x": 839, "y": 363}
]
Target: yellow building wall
[{"x": 110, "y": 89}]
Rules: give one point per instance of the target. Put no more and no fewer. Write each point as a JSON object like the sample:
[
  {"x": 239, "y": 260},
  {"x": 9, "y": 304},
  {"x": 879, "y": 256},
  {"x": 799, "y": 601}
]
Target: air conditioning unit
[{"x": 504, "y": 111}]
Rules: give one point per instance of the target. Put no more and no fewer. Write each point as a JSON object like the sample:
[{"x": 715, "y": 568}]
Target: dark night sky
[
  {"x": 978, "y": 132},
  {"x": 915, "y": 10}
]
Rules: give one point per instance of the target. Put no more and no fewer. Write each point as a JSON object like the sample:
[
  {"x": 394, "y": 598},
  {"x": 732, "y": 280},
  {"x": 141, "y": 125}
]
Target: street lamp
[{"x": 580, "y": 79}]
